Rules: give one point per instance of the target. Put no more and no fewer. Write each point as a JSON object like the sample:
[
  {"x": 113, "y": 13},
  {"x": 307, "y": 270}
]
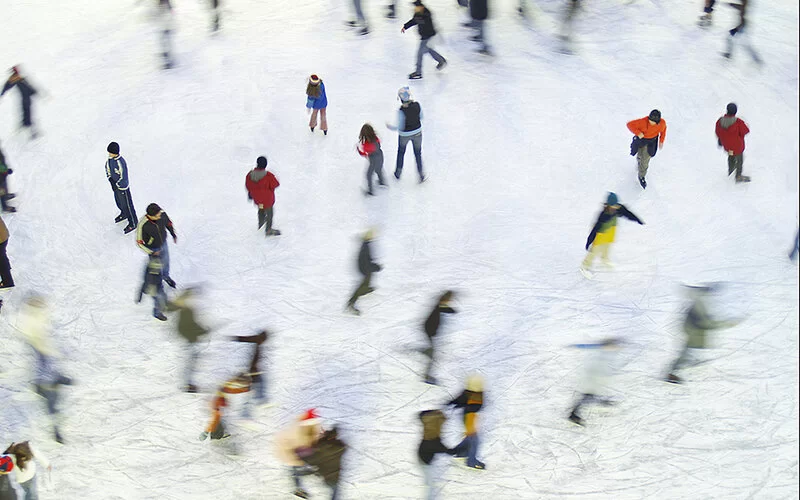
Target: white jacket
[
  {"x": 27, "y": 474},
  {"x": 34, "y": 325},
  {"x": 599, "y": 367}
]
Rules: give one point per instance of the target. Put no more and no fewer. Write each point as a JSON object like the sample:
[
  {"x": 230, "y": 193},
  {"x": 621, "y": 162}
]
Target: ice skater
[
  {"x": 409, "y": 129},
  {"x": 598, "y": 370},
  {"x": 317, "y": 103},
  {"x": 360, "y": 21},
  {"x": 431, "y": 328},
  {"x": 5, "y": 196},
  {"x": 295, "y": 443},
  {"x": 730, "y": 132},
  {"x": 6, "y": 279},
  {"x": 430, "y": 446},
  {"x": 479, "y": 11},
  {"x": 741, "y": 34},
  {"x": 423, "y": 19},
  {"x": 255, "y": 372},
  {"x": 7, "y": 491},
  {"x": 649, "y": 134},
  {"x": 25, "y": 456},
  {"x": 696, "y": 325},
  {"x": 154, "y": 286},
  {"x": 602, "y": 235},
  {"x": 26, "y": 92},
  {"x": 261, "y": 185},
  {"x": 192, "y": 331},
  {"x": 117, "y": 175},
  {"x": 471, "y": 402},
  {"x": 327, "y": 458},
  {"x": 366, "y": 266},
  {"x": 151, "y": 238},
  {"x": 369, "y": 146}
]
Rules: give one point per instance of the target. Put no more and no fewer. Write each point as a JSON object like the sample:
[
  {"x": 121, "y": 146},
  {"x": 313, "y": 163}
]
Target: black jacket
[
  {"x": 425, "y": 22},
  {"x": 435, "y": 317},
  {"x": 412, "y": 113},
  {"x": 26, "y": 90},
  {"x": 365, "y": 264},
  {"x": 651, "y": 145},
  {"x": 327, "y": 457},
  {"x": 605, "y": 219},
  {"x": 151, "y": 234},
  {"x": 478, "y": 9}
]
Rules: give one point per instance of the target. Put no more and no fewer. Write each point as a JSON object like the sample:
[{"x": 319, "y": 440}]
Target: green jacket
[
  {"x": 188, "y": 327},
  {"x": 697, "y": 323}
]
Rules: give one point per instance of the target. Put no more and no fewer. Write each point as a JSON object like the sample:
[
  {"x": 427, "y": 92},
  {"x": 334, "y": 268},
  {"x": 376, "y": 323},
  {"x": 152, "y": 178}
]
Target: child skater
[
  {"x": 430, "y": 446},
  {"x": 369, "y": 146},
  {"x": 598, "y": 369},
  {"x": 24, "y": 455},
  {"x": 471, "y": 400},
  {"x": 317, "y": 102},
  {"x": 602, "y": 235}
]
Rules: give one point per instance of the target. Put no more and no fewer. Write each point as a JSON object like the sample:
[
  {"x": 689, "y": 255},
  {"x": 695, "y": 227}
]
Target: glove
[{"x": 10, "y": 171}]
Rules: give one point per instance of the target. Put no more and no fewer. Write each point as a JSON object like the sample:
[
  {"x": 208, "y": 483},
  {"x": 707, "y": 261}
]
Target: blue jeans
[
  {"x": 469, "y": 447},
  {"x": 125, "y": 204},
  {"x": 424, "y": 49},
  {"x": 416, "y": 142},
  {"x": 29, "y": 487},
  {"x": 431, "y": 480}
]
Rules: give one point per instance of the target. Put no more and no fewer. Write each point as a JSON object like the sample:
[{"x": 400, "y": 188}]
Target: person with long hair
[
  {"x": 317, "y": 103},
  {"x": 369, "y": 146},
  {"x": 25, "y": 456}
]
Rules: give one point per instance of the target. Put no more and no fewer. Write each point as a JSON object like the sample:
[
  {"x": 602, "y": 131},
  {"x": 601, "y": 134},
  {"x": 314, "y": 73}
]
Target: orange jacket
[{"x": 642, "y": 126}]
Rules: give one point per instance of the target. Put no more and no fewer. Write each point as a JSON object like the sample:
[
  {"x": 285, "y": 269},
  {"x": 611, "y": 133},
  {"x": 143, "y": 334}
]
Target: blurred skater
[
  {"x": 567, "y": 24},
  {"x": 730, "y": 132},
  {"x": 295, "y": 443},
  {"x": 317, "y": 103},
  {"x": 255, "y": 373},
  {"x": 216, "y": 12},
  {"x": 151, "y": 237},
  {"x": 432, "y": 325},
  {"x": 5, "y": 196},
  {"x": 154, "y": 286},
  {"x": 479, "y": 11},
  {"x": 424, "y": 22},
  {"x": 471, "y": 401},
  {"x": 327, "y": 458},
  {"x": 25, "y": 456},
  {"x": 191, "y": 331},
  {"x": 7, "y": 491},
  {"x": 603, "y": 233},
  {"x": 6, "y": 279},
  {"x": 741, "y": 35},
  {"x": 369, "y": 146},
  {"x": 696, "y": 325},
  {"x": 708, "y": 10},
  {"x": 26, "y": 92},
  {"x": 166, "y": 25},
  {"x": 598, "y": 370},
  {"x": 366, "y": 266},
  {"x": 35, "y": 327},
  {"x": 409, "y": 129},
  {"x": 117, "y": 175},
  {"x": 360, "y": 21},
  {"x": 261, "y": 185},
  {"x": 649, "y": 134},
  {"x": 391, "y": 9},
  {"x": 430, "y": 446}
]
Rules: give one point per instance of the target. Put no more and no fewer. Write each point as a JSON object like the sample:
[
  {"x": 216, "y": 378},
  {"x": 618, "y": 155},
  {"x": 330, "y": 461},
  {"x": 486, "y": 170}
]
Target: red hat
[
  {"x": 310, "y": 417},
  {"x": 6, "y": 464}
]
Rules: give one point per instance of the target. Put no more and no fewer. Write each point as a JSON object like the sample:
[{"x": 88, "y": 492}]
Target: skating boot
[{"x": 643, "y": 182}]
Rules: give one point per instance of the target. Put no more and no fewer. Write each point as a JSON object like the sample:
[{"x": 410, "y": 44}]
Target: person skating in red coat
[
  {"x": 730, "y": 135},
  {"x": 261, "y": 185}
]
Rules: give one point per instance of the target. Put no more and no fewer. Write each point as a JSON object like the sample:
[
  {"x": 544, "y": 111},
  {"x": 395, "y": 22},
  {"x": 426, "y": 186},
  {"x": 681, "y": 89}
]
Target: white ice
[{"x": 520, "y": 150}]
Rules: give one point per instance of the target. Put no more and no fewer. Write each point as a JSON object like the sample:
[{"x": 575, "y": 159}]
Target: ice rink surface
[{"x": 520, "y": 150}]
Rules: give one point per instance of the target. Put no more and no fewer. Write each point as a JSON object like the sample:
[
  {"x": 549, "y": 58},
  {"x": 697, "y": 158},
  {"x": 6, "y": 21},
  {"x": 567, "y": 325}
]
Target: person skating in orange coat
[{"x": 649, "y": 134}]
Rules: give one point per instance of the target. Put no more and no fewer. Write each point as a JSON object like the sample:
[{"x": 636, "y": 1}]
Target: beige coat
[
  {"x": 293, "y": 437},
  {"x": 3, "y": 231}
]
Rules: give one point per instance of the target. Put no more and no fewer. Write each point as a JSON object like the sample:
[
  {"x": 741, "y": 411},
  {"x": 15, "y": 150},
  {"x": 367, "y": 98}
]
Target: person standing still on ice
[
  {"x": 649, "y": 134},
  {"x": 117, "y": 174},
  {"x": 431, "y": 327},
  {"x": 366, "y": 267},
  {"x": 424, "y": 22},
  {"x": 317, "y": 103},
  {"x": 730, "y": 132},
  {"x": 261, "y": 185},
  {"x": 26, "y": 92},
  {"x": 151, "y": 237},
  {"x": 603, "y": 232},
  {"x": 409, "y": 129},
  {"x": 369, "y": 146},
  {"x": 6, "y": 280}
]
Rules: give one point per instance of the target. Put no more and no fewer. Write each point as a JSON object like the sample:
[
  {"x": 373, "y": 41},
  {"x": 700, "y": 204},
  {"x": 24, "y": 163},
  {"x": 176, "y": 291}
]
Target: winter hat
[
  {"x": 153, "y": 209},
  {"x": 369, "y": 234},
  {"x": 417, "y": 3},
  {"x": 261, "y": 162},
  {"x": 732, "y": 109},
  {"x": 612, "y": 199},
  {"x": 655, "y": 116},
  {"x": 314, "y": 79},
  {"x": 6, "y": 464},
  {"x": 113, "y": 148},
  {"x": 475, "y": 383},
  {"x": 404, "y": 94},
  {"x": 309, "y": 418}
]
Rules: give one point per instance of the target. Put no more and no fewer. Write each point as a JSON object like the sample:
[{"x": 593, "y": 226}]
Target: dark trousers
[
  {"x": 27, "y": 119},
  {"x": 265, "y": 217},
  {"x": 792, "y": 254},
  {"x": 402, "y": 143},
  {"x": 5, "y": 266},
  {"x": 375, "y": 168},
  {"x": 4, "y": 191},
  {"x": 468, "y": 448},
  {"x": 363, "y": 289},
  {"x": 125, "y": 204},
  {"x": 735, "y": 163},
  {"x": 429, "y": 352}
]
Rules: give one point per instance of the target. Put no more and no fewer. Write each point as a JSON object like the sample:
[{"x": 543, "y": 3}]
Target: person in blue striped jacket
[{"x": 117, "y": 174}]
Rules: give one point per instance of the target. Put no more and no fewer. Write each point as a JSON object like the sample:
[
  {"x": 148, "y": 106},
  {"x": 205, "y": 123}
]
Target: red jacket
[
  {"x": 367, "y": 148},
  {"x": 732, "y": 136},
  {"x": 261, "y": 185}
]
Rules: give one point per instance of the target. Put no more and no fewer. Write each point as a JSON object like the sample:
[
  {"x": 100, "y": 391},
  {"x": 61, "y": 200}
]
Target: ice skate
[
  {"x": 351, "y": 308},
  {"x": 431, "y": 380},
  {"x": 742, "y": 178},
  {"x": 673, "y": 379},
  {"x": 485, "y": 52},
  {"x": 478, "y": 465},
  {"x": 363, "y": 31},
  {"x": 160, "y": 316},
  {"x": 586, "y": 272},
  {"x": 415, "y": 76},
  {"x": 191, "y": 389},
  {"x": 273, "y": 232},
  {"x": 643, "y": 182},
  {"x": 129, "y": 229},
  {"x": 439, "y": 66},
  {"x": 119, "y": 218},
  {"x": 11, "y": 210},
  {"x": 704, "y": 21},
  {"x": 575, "y": 419},
  {"x": 300, "y": 493},
  {"x": 169, "y": 281}
]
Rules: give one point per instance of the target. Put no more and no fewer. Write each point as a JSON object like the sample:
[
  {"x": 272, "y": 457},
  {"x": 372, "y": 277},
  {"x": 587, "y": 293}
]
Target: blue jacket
[
  {"x": 318, "y": 102},
  {"x": 117, "y": 172}
]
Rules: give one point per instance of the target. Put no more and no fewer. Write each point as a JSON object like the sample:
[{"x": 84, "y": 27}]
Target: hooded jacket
[
  {"x": 261, "y": 184},
  {"x": 730, "y": 132},
  {"x": 327, "y": 457}
]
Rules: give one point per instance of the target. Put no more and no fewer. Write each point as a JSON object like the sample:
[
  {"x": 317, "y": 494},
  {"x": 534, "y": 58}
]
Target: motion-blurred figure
[
  {"x": 366, "y": 266},
  {"x": 649, "y": 135},
  {"x": 360, "y": 19},
  {"x": 479, "y": 11},
  {"x": 423, "y": 19},
  {"x": 7, "y": 491},
  {"x": 730, "y": 132},
  {"x": 25, "y": 456},
  {"x": 295, "y": 443},
  {"x": 6, "y": 280},
  {"x": 430, "y": 446},
  {"x": 255, "y": 373},
  {"x": 739, "y": 32},
  {"x": 327, "y": 458},
  {"x": 26, "y": 92},
  {"x": 695, "y": 327},
  {"x": 35, "y": 326},
  {"x": 598, "y": 369},
  {"x": 708, "y": 10},
  {"x": 191, "y": 331},
  {"x": 154, "y": 286},
  {"x": 391, "y": 12},
  {"x": 216, "y": 12},
  {"x": 431, "y": 327},
  {"x": 151, "y": 237},
  {"x": 5, "y": 196},
  {"x": 117, "y": 175},
  {"x": 471, "y": 401},
  {"x": 603, "y": 232}
]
